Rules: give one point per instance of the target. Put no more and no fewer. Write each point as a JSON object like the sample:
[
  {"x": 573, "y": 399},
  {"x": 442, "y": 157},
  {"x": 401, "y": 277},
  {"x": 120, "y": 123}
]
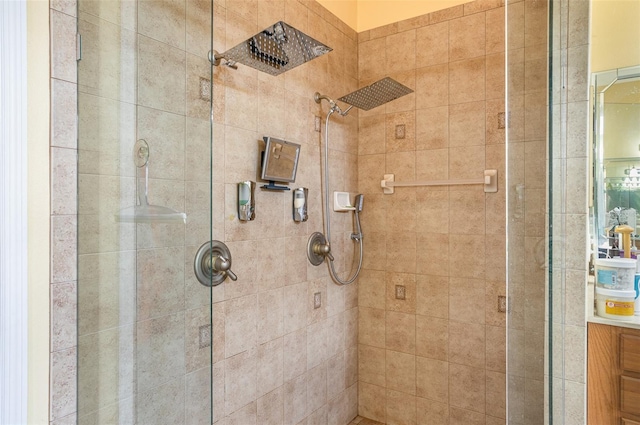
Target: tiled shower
[{"x": 143, "y": 352}]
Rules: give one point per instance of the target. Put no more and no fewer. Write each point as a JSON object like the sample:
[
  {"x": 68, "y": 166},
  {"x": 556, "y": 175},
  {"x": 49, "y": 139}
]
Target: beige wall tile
[
  {"x": 400, "y": 332},
  {"x": 432, "y": 86},
  {"x": 372, "y": 289},
  {"x": 240, "y": 324},
  {"x": 371, "y": 328},
  {"x": 370, "y": 165},
  {"x": 432, "y": 337},
  {"x": 63, "y": 46},
  {"x": 64, "y": 187},
  {"x": 295, "y": 399},
  {"x": 495, "y": 33},
  {"x": 432, "y": 296},
  {"x": 371, "y": 365},
  {"x": 317, "y": 387},
  {"x": 63, "y": 384},
  {"x": 198, "y": 392},
  {"x": 470, "y": 205},
  {"x": 63, "y": 248},
  {"x": 64, "y": 114},
  {"x": 160, "y": 350},
  {"x": 197, "y": 355},
  {"x": 466, "y": 344},
  {"x": 371, "y": 135},
  {"x": 401, "y": 251},
  {"x": 108, "y": 67},
  {"x": 197, "y": 22},
  {"x": 372, "y": 402},
  {"x": 463, "y": 265},
  {"x": 163, "y": 21},
  {"x": 496, "y": 349},
  {"x": 269, "y": 366},
  {"x": 295, "y": 354},
  {"x": 433, "y": 256},
  {"x": 446, "y": 14},
  {"x": 245, "y": 415},
  {"x": 163, "y": 403},
  {"x": 432, "y": 165},
  {"x": 335, "y": 375},
  {"x": 432, "y": 44},
  {"x": 467, "y": 124},
  {"x": 240, "y": 380},
  {"x": 316, "y": 343},
  {"x": 467, "y": 37},
  {"x": 401, "y": 408},
  {"x": 467, "y": 162},
  {"x": 335, "y": 335},
  {"x": 467, "y": 80},
  {"x": 496, "y": 394},
  {"x": 401, "y": 372},
  {"x": 370, "y": 55},
  {"x": 432, "y": 128},
  {"x": 101, "y": 292},
  {"x": 270, "y": 324},
  {"x": 467, "y": 417},
  {"x": 467, "y": 387},
  {"x": 466, "y": 300},
  {"x": 432, "y": 379},
  {"x": 168, "y": 93},
  {"x": 403, "y": 46},
  {"x": 429, "y": 411}
]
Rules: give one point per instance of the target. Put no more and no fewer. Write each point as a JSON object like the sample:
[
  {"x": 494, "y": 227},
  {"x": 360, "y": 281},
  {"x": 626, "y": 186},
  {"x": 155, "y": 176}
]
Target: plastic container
[
  {"x": 615, "y": 273},
  {"x": 637, "y": 289},
  {"x": 615, "y": 304}
]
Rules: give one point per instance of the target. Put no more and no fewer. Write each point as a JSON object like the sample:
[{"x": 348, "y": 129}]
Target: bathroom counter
[{"x": 592, "y": 318}]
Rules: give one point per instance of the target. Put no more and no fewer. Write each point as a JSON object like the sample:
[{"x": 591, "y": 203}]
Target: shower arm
[{"x": 333, "y": 106}]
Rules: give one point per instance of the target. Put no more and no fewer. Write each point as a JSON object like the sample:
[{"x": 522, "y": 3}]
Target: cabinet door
[
  {"x": 630, "y": 395},
  {"x": 630, "y": 353},
  {"x": 629, "y": 422}
]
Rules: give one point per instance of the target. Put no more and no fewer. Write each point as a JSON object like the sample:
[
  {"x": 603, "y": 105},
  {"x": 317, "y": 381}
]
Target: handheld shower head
[{"x": 359, "y": 202}]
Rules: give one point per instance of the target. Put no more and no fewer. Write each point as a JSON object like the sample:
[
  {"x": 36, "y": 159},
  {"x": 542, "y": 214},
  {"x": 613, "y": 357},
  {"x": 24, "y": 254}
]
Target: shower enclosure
[
  {"x": 145, "y": 173},
  {"x": 160, "y": 127}
]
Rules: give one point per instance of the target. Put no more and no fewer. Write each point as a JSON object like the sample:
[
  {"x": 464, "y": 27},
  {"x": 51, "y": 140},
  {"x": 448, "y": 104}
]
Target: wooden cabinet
[{"x": 613, "y": 381}]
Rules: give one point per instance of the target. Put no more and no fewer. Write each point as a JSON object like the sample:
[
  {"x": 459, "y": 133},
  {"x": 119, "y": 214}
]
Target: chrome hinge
[{"x": 78, "y": 46}]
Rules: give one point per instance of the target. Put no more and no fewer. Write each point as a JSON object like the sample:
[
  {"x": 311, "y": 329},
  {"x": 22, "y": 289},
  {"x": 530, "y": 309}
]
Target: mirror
[
  {"x": 616, "y": 135},
  {"x": 279, "y": 160}
]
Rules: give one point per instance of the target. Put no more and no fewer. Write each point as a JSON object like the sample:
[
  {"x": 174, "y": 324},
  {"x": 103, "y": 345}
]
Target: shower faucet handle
[
  {"x": 212, "y": 264},
  {"x": 221, "y": 264}
]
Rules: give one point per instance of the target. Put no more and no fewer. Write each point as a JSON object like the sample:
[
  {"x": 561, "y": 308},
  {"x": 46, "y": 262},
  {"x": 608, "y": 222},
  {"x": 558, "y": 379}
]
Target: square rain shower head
[
  {"x": 278, "y": 48},
  {"x": 376, "y": 94}
]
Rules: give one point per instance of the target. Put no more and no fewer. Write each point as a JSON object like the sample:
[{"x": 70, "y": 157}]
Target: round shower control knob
[
  {"x": 212, "y": 264},
  {"x": 318, "y": 249}
]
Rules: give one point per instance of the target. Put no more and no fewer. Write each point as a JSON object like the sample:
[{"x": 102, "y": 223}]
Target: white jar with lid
[
  {"x": 615, "y": 304},
  {"x": 615, "y": 273}
]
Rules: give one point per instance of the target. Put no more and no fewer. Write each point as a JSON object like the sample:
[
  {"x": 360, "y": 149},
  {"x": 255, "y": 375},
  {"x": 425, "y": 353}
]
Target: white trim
[{"x": 13, "y": 212}]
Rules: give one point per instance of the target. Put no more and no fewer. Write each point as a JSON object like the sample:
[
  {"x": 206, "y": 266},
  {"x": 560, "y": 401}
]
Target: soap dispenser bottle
[
  {"x": 246, "y": 201},
  {"x": 300, "y": 196}
]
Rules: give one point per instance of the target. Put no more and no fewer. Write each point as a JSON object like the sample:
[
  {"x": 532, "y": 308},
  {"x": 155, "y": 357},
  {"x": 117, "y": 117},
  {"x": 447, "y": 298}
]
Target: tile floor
[{"x": 359, "y": 420}]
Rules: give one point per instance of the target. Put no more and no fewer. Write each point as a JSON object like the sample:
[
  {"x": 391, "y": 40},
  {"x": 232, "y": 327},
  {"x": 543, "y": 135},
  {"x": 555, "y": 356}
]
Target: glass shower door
[{"x": 145, "y": 199}]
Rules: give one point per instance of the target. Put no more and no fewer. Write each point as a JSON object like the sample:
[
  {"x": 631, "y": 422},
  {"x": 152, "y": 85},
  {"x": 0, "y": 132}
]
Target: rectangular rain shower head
[
  {"x": 278, "y": 48},
  {"x": 376, "y": 94}
]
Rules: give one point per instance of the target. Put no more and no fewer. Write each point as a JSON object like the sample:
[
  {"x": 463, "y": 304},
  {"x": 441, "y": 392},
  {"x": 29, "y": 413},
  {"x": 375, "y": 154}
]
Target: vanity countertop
[{"x": 591, "y": 316}]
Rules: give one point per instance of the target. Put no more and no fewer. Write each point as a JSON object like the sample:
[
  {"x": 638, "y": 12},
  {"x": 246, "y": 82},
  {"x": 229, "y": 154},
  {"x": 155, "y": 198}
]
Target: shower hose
[{"x": 327, "y": 217}]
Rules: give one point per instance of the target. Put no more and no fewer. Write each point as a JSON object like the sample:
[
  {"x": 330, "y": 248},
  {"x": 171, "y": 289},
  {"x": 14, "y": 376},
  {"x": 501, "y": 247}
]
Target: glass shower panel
[
  {"x": 527, "y": 89},
  {"x": 144, "y": 190}
]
